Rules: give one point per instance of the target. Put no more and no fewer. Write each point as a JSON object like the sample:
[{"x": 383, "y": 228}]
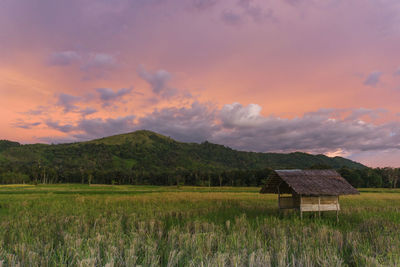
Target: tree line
[
  {"x": 368, "y": 177},
  {"x": 37, "y": 173}
]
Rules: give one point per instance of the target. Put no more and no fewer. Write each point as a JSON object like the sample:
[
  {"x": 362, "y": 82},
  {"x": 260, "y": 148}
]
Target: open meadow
[{"x": 99, "y": 225}]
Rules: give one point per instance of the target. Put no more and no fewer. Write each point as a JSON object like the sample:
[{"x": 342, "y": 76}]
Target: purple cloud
[
  {"x": 99, "y": 61},
  {"x": 64, "y": 58},
  {"x": 88, "y": 129},
  {"x": 108, "y": 95},
  {"x": 158, "y": 80},
  {"x": 231, "y": 18},
  {"x": 87, "y": 111},
  {"x": 66, "y": 128},
  {"x": 318, "y": 132},
  {"x": 255, "y": 12},
  {"x": 98, "y": 66},
  {"x": 373, "y": 79},
  {"x": 204, "y": 4},
  {"x": 26, "y": 125},
  {"x": 67, "y": 102},
  {"x": 95, "y": 128},
  {"x": 397, "y": 72},
  {"x": 192, "y": 124},
  {"x": 245, "y": 128},
  {"x": 37, "y": 111}
]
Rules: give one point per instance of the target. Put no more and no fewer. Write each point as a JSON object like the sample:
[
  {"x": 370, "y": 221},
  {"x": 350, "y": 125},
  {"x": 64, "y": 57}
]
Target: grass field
[{"x": 98, "y": 225}]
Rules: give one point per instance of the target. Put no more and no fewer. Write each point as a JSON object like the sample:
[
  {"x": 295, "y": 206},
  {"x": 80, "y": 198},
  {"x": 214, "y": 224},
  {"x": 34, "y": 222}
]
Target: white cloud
[{"x": 235, "y": 115}]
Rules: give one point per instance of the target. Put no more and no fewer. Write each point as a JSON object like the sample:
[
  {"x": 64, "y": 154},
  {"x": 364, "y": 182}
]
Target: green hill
[{"x": 146, "y": 157}]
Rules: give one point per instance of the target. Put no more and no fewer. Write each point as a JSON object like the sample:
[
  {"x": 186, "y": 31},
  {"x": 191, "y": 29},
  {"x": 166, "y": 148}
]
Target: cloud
[
  {"x": 26, "y": 125},
  {"x": 99, "y": 61},
  {"x": 87, "y": 129},
  {"x": 255, "y": 12},
  {"x": 397, "y": 72},
  {"x": 246, "y": 9},
  {"x": 231, "y": 18},
  {"x": 328, "y": 131},
  {"x": 108, "y": 95},
  {"x": 158, "y": 80},
  {"x": 235, "y": 115},
  {"x": 87, "y": 111},
  {"x": 322, "y": 131},
  {"x": 37, "y": 111},
  {"x": 293, "y": 2},
  {"x": 204, "y": 4},
  {"x": 67, "y": 102},
  {"x": 98, "y": 65},
  {"x": 55, "y": 125},
  {"x": 64, "y": 58},
  {"x": 98, "y": 127},
  {"x": 373, "y": 79},
  {"x": 188, "y": 124},
  {"x": 195, "y": 123},
  {"x": 372, "y": 114},
  {"x": 94, "y": 65}
]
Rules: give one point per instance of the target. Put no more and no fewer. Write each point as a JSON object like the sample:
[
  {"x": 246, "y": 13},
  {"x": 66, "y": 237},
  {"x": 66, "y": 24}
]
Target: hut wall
[
  {"x": 319, "y": 203},
  {"x": 286, "y": 203},
  {"x": 289, "y": 202}
]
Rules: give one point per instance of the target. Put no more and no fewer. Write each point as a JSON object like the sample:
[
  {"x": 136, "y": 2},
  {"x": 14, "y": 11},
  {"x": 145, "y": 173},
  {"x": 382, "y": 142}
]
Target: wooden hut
[{"x": 308, "y": 190}]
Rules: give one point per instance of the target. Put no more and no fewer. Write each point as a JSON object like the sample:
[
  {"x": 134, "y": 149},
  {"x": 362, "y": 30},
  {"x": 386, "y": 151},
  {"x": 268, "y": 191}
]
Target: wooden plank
[
  {"x": 328, "y": 199},
  {"x": 309, "y": 200},
  {"x": 320, "y": 199},
  {"x": 322, "y": 207}
]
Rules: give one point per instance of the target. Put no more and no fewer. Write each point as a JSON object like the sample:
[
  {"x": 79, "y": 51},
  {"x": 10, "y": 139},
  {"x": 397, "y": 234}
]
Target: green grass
[{"x": 98, "y": 225}]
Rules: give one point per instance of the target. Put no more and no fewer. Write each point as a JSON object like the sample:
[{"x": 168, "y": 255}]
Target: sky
[{"x": 318, "y": 76}]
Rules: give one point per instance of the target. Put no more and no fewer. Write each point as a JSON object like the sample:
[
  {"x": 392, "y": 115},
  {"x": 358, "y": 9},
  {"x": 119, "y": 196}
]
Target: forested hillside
[{"x": 145, "y": 157}]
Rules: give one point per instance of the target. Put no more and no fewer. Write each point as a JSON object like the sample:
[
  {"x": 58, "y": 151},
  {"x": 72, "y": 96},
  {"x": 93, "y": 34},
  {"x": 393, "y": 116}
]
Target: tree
[
  {"x": 393, "y": 176},
  {"x": 374, "y": 179}
]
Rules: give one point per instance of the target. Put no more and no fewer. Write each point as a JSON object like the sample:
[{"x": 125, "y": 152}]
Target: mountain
[{"x": 144, "y": 157}]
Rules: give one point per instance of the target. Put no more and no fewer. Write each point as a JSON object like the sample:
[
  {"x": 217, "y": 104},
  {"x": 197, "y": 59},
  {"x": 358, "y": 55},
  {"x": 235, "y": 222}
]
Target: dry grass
[{"x": 151, "y": 226}]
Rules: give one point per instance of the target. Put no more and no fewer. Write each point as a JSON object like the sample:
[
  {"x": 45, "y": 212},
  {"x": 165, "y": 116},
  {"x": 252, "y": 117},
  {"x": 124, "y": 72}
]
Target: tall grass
[{"x": 191, "y": 227}]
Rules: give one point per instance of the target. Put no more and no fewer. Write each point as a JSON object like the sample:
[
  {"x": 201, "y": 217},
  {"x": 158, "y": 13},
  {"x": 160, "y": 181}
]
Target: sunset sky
[{"x": 319, "y": 76}]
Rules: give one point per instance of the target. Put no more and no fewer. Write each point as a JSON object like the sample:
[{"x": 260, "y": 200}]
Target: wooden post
[
  {"x": 337, "y": 209},
  {"x": 301, "y": 212},
  {"x": 279, "y": 204},
  {"x": 279, "y": 199},
  {"x": 319, "y": 206}
]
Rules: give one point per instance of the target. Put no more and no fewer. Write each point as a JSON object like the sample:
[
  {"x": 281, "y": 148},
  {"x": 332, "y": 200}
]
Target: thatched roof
[{"x": 308, "y": 182}]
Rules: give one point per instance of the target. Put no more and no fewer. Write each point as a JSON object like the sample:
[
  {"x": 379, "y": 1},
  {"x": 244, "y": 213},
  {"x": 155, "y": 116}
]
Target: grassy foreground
[{"x": 80, "y": 225}]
